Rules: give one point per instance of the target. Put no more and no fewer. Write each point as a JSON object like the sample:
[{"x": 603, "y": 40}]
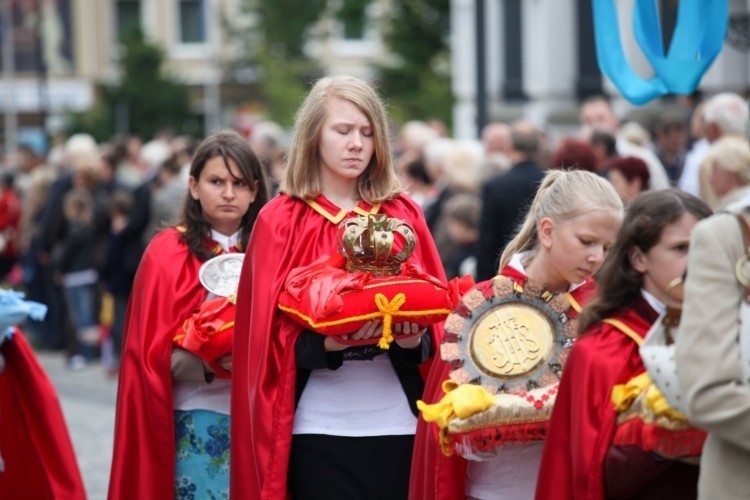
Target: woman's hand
[
  {"x": 368, "y": 330},
  {"x": 225, "y": 362},
  {"x": 408, "y": 329}
]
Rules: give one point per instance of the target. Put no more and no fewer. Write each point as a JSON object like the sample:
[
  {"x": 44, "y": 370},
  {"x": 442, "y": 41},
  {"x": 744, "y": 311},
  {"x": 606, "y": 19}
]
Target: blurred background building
[
  {"x": 539, "y": 58},
  {"x": 501, "y": 59}
]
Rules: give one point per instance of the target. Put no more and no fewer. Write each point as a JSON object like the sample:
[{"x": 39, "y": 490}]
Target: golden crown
[{"x": 371, "y": 243}]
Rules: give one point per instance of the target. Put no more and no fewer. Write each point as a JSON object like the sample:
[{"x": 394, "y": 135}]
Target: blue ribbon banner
[
  {"x": 14, "y": 309},
  {"x": 697, "y": 39}
]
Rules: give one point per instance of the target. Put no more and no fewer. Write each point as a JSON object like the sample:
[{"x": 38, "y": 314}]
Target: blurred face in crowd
[
  {"x": 598, "y": 115},
  {"x": 723, "y": 181},
  {"x": 223, "y": 194}
]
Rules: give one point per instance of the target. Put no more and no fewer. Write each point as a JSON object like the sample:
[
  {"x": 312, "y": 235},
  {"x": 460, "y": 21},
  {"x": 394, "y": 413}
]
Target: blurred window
[
  {"x": 353, "y": 16},
  {"x": 128, "y": 16},
  {"x": 192, "y": 21}
]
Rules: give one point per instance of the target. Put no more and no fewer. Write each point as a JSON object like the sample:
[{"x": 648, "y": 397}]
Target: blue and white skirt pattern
[{"x": 202, "y": 455}]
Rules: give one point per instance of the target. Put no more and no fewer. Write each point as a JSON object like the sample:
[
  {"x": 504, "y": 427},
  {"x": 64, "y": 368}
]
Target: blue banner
[{"x": 697, "y": 39}]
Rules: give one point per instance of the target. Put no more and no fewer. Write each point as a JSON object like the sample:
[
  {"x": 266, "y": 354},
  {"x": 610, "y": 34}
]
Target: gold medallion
[
  {"x": 511, "y": 340},
  {"x": 506, "y": 336}
]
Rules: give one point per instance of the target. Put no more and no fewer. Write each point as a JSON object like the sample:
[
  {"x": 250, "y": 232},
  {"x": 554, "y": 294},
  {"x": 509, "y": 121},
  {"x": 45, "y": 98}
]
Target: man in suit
[
  {"x": 709, "y": 358},
  {"x": 506, "y": 197}
]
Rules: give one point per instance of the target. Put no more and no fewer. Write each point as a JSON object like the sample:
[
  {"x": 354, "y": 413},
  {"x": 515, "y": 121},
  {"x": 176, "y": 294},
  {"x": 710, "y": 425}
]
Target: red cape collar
[{"x": 334, "y": 214}]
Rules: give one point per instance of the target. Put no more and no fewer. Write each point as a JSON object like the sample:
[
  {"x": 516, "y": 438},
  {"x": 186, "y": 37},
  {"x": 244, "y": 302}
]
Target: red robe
[
  {"x": 165, "y": 292},
  {"x": 288, "y": 233},
  {"x": 433, "y": 475},
  {"x": 584, "y": 420},
  {"x": 34, "y": 442},
  {"x": 10, "y": 219}
]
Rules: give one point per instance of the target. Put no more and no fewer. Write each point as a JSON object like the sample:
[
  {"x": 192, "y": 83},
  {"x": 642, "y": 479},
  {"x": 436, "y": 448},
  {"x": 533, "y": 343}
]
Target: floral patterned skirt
[{"x": 202, "y": 458}]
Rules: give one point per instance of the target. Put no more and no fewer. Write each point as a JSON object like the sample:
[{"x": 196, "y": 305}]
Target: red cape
[
  {"x": 433, "y": 475},
  {"x": 288, "y": 233},
  {"x": 584, "y": 419},
  {"x": 10, "y": 219},
  {"x": 34, "y": 442},
  {"x": 166, "y": 291}
]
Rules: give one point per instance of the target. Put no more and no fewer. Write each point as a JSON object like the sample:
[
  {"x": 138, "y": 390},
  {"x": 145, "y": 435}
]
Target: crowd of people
[{"x": 111, "y": 237}]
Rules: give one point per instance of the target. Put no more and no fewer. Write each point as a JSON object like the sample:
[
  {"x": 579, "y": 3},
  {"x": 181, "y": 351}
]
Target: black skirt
[{"x": 323, "y": 467}]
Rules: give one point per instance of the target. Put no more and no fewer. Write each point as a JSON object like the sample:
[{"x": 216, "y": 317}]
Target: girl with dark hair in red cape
[
  {"x": 172, "y": 420},
  {"x": 582, "y": 456}
]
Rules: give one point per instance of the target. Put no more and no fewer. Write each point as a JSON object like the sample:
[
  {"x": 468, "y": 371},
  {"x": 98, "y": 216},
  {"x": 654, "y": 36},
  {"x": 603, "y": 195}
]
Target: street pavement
[{"x": 87, "y": 398}]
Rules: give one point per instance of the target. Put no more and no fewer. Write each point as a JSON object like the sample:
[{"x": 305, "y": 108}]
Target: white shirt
[
  {"x": 655, "y": 303},
  {"x": 360, "y": 398},
  {"x": 690, "y": 178},
  {"x": 510, "y": 475}
]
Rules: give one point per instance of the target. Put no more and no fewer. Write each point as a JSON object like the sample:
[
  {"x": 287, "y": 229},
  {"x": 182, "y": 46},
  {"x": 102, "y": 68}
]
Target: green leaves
[
  {"x": 145, "y": 101},
  {"x": 417, "y": 84}
]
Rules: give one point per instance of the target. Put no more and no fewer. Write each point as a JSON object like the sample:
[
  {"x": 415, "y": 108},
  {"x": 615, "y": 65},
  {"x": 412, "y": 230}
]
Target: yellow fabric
[
  {"x": 573, "y": 303},
  {"x": 107, "y": 312},
  {"x": 361, "y": 317},
  {"x": 655, "y": 401},
  {"x": 623, "y": 396},
  {"x": 388, "y": 309},
  {"x": 226, "y": 326},
  {"x": 624, "y": 329},
  {"x": 336, "y": 218},
  {"x": 460, "y": 401}
]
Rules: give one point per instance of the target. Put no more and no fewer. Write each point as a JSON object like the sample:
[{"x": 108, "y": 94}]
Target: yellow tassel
[
  {"x": 460, "y": 401},
  {"x": 388, "y": 309}
]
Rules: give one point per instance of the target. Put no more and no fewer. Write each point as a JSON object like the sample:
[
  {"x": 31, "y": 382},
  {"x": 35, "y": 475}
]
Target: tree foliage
[
  {"x": 352, "y": 13},
  {"x": 285, "y": 24},
  {"x": 145, "y": 101},
  {"x": 417, "y": 82},
  {"x": 277, "y": 43}
]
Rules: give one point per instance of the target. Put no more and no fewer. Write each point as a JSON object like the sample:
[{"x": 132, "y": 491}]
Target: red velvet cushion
[
  {"x": 327, "y": 299},
  {"x": 208, "y": 333}
]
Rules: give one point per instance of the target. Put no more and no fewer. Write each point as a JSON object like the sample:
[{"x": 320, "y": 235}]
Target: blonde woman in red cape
[
  {"x": 312, "y": 418},
  {"x": 172, "y": 421},
  {"x": 582, "y": 456},
  {"x": 570, "y": 227}
]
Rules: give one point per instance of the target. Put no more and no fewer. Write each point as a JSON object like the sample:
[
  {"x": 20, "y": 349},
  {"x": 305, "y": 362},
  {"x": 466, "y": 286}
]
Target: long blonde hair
[
  {"x": 563, "y": 194},
  {"x": 302, "y": 178}
]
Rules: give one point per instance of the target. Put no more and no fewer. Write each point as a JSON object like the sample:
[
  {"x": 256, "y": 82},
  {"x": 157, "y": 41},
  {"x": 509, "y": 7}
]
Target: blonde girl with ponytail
[{"x": 567, "y": 233}]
